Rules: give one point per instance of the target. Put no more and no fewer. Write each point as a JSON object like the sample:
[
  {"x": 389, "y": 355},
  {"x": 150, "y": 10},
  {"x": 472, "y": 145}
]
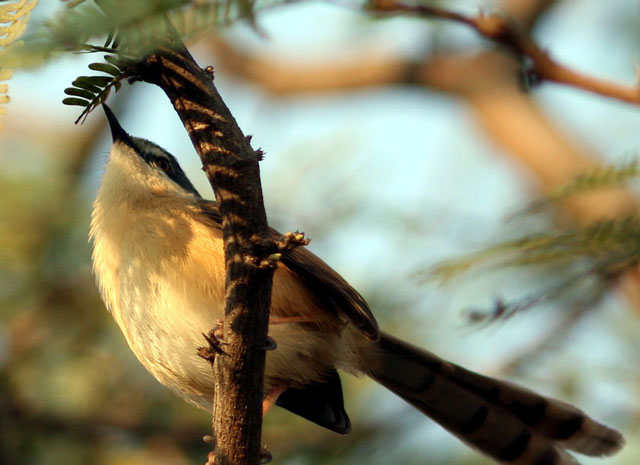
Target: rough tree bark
[{"x": 231, "y": 166}]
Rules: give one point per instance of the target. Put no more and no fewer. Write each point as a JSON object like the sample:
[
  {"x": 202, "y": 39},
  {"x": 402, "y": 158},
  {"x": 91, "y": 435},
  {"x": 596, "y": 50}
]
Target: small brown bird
[{"x": 152, "y": 233}]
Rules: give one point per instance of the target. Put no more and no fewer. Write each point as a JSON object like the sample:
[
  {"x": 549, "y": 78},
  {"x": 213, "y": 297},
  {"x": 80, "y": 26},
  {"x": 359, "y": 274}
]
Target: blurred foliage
[
  {"x": 13, "y": 18},
  {"x": 581, "y": 261},
  {"x": 615, "y": 174},
  {"x": 141, "y": 26},
  {"x": 91, "y": 91},
  {"x": 133, "y": 30},
  {"x": 70, "y": 390}
]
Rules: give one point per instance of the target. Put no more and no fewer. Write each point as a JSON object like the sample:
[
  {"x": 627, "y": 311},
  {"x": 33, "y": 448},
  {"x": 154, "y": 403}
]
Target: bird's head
[{"x": 140, "y": 171}]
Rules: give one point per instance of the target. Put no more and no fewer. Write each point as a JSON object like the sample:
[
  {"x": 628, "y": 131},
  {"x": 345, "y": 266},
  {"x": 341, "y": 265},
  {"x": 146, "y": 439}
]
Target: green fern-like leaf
[
  {"x": 105, "y": 68},
  {"x": 90, "y": 91},
  {"x": 76, "y": 101}
]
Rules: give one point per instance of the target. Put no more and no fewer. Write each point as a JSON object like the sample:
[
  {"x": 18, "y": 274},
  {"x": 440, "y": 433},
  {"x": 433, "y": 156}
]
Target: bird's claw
[{"x": 271, "y": 344}]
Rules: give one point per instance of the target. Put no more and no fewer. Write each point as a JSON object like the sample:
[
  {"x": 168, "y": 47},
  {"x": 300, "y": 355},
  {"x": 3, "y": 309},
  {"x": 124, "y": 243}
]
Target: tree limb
[
  {"x": 231, "y": 166},
  {"x": 509, "y": 34}
]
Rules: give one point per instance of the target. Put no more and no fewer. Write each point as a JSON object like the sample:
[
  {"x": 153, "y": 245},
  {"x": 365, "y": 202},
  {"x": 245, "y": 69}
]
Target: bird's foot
[{"x": 271, "y": 344}]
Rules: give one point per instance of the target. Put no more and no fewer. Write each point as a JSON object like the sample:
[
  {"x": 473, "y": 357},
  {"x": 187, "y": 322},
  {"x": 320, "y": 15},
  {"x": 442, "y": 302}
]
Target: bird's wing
[{"x": 328, "y": 287}]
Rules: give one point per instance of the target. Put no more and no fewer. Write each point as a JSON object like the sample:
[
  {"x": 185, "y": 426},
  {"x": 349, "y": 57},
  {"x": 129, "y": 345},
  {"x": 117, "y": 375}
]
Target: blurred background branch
[{"x": 420, "y": 151}]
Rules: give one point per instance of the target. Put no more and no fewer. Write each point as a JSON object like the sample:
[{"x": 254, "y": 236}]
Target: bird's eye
[{"x": 163, "y": 164}]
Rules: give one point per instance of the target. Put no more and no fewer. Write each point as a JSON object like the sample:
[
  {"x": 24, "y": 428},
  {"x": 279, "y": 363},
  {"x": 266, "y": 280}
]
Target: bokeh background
[{"x": 387, "y": 178}]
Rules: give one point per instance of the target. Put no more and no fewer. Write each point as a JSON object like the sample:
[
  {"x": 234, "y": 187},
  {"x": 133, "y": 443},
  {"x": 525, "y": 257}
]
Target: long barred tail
[{"x": 507, "y": 422}]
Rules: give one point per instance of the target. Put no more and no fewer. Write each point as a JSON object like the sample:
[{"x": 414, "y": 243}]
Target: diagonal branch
[
  {"x": 500, "y": 30},
  {"x": 232, "y": 168}
]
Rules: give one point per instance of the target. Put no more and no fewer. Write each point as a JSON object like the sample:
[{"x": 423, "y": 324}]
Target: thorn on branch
[
  {"x": 215, "y": 341},
  {"x": 260, "y": 154}
]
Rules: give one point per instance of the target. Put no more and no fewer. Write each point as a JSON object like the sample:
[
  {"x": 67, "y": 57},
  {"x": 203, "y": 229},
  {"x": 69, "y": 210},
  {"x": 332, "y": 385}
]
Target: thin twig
[
  {"x": 501, "y": 30},
  {"x": 231, "y": 166},
  {"x": 555, "y": 336}
]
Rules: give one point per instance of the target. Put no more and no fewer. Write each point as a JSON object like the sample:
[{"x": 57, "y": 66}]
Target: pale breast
[{"x": 164, "y": 284}]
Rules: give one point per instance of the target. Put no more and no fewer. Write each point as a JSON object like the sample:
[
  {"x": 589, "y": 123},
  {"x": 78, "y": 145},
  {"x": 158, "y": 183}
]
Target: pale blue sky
[{"x": 403, "y": 157}]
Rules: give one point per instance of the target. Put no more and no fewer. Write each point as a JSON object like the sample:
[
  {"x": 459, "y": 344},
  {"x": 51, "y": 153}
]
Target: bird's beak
[{"x": 117, "y": 133}]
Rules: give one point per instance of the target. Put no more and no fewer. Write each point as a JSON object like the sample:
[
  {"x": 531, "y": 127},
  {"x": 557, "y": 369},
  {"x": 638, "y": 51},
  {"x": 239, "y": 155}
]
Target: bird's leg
[
  {"x": 272, "y": 396},
  {"x": 267, "y": 403},
  {"x": 215, "y": 340}
]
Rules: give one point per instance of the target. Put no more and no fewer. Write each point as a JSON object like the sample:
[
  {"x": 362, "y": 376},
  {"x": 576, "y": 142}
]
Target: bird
[{"x": 158, "y": 259}]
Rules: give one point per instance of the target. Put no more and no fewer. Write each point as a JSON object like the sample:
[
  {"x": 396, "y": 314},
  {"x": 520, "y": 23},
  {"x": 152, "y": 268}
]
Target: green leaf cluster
[
  {"x": 141, "y": 24},
  {"x": 90, "y": 91}
]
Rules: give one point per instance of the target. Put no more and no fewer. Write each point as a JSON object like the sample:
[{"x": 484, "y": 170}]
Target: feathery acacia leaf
[
  {"x": 585, "y": 260},
  {"x": 135, "y": 31},
  {"x": 90, "y": 91},
  {"x": 78, "y": 92},
  {"x": 15, "y": 15},
  {"x": 105, "y": 68},
  {"x": 86, "y": 84},
  {"x": 138, "y": 25},
  {"x": 598, "y": 178},
  {"x": 76, "y": 101}
]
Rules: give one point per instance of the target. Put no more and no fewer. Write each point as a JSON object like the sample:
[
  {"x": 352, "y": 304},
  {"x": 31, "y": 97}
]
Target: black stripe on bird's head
[{"x": 154, "y": 155}]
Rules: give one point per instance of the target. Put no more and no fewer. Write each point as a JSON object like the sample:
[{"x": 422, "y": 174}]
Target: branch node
[
  {"x": 503, "y": 31},
  {"x": 266, "y": 254},
  {"x": 214, "y": 339},
  {"x": 494, "y": 27},
  {"x": 528, "y": 76}
]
